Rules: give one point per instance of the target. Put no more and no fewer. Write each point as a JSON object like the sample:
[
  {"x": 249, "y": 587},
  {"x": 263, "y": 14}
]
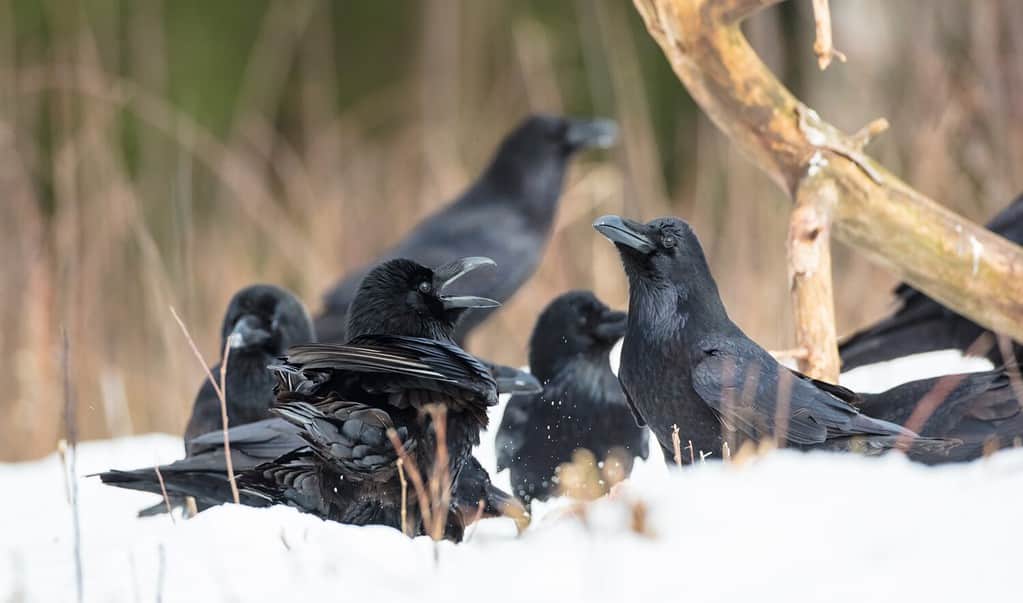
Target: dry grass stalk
[
  {"x": 413, "y": 474},
  {"x": 440, "y": 476},
  {"x": 163, "y": 490},
  {"x": 692, "y": 453},
  {"x": 676, "y": 443},
  {"x": 219, "y": 389},
  {"x": 71, "y": 432},
  {"x": 404, "y": 496}
]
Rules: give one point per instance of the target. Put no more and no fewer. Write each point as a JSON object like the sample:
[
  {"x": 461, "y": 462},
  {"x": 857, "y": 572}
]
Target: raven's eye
[
  {"x": 424, "y": 287},
  {"x": 667, "y": 241}
]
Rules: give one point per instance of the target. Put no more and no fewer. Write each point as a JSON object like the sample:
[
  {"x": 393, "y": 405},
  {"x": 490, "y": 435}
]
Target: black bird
[
  {"x": 981, "y": 410},
  {"x": 922, "y": 324},
  {"x": 507, "y": 214},
  {"x": 203, "y": 475},
  {"x": 262, "y": 321},
  {"x": 344, "y": 399},
  {"x": 582, "y": 404},
  {"x": 686, "y": 364}
]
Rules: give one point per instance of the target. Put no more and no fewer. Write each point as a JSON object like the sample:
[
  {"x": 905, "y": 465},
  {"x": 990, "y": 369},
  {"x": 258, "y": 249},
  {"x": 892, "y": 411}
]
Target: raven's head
[
  {"x": 474, "y": 497},
  {"x": 530, "y": 163},
  {"x": 663, "y": 259},
  {"x": 265, "y": 319},
  {"x": 575, "y": 324},
  {"x": 402, "y": 297}
]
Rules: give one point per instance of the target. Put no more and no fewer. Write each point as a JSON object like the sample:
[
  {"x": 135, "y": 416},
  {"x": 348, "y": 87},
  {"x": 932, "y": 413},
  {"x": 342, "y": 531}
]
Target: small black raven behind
[
  {"x": 921, "y": 324},
  {"x": 582, "y": 404},
  {"x": 261, "y": 322},
  {"x": 686, "y": 364},
  {"x": 507, "y": 214},
  {"x": 980, "y": 410}
]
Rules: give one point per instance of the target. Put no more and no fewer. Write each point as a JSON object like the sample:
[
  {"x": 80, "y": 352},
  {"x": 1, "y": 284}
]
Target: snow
[{"x": 781, "y": 527}]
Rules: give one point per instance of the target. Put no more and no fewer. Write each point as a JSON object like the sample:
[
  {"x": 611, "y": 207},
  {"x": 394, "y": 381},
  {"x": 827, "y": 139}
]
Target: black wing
[
  {"x": 408, "y": 369},
  {"x": 745, "y": 387}
]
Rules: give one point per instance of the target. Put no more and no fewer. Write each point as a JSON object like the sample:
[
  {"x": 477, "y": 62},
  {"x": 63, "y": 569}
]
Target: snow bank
[{"x": 787, "y": 527}]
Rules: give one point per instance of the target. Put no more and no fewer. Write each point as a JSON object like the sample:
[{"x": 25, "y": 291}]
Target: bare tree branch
[
  {"x": 955, "y": 261},
  {"x": 823, "y": 46}
]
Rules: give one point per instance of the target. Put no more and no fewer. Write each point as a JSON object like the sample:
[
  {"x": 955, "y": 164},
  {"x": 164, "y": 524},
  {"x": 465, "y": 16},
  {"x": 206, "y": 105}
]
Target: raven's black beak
[
  {"x": 248, "y": 332},
  {"x": 513, "y": 381},
  {"x": 624, "y": 232},
  {"x": 501, "y": 504},
  {"x": 444, "y": 275},
  {"x": 591, "y": 133},
  {"x": 612, "y": 326}
]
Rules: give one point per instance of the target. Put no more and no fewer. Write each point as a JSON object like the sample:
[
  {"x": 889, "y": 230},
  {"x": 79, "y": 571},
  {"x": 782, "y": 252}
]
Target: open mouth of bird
[
  {"x": 444, "y": 276},
  {"x": 624, "y": 232}
]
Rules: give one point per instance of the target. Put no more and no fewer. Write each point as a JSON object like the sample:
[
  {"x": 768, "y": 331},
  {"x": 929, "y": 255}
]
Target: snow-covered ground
[{"x": 785, "y": 527}]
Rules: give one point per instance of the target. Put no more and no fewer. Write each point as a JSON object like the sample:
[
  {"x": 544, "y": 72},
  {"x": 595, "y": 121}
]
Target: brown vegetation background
[{"x": 157, "y": 154}]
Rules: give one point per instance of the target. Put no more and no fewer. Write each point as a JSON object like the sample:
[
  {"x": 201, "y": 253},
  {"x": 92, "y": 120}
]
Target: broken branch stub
[{"x": 955, "y": 261}]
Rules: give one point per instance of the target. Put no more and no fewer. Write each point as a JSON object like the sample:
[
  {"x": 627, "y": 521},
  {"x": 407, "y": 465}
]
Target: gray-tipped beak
[
  {"x": 444, "y": 275},
  {"x": 501, "y": 504},
  {"x": 624, "y": 232},
  {"x": 612, "y": 326},
  {"x": 591, "y": 133},
  {"x": 517, "y": 382},
  {"x": 452, "y": 302},
  {"x": 247, "y": 332}
]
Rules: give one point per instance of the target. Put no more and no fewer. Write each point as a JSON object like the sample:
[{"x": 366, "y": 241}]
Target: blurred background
[{"x": 158, "y": 153}]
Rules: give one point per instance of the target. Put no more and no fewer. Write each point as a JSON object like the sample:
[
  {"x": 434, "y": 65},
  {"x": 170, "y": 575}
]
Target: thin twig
[
  {"x": 163, "y": 489},
  {"x": 413, "y": 474},
  {"x": 440, "y": 478},
  {"x": 223, "y": 421},
  {"x": 219, "y": 389},
  {"x": 692, "y": 453},
  {"x": 823, "y": 46},
  {"x": 71, "y": 435},
  {"x": 404, "y": 497},
  {"x": 676, "y": 443},
  {"x": 792, "y": 353}
]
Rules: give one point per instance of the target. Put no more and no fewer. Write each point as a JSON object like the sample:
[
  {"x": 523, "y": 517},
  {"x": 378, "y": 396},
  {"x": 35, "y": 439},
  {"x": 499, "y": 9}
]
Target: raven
[
  {"x": 922, "y": 324},
  {"x": 981, "y": 410},
  {"x": 507, "y": 215},
  {"x": 261, "y": 322},
  {"x": 686, "y": 365},
  {"x": 203, "y": 475},
  {"x": 341, "y": 401},
  {"x": 582, "y": 404}
]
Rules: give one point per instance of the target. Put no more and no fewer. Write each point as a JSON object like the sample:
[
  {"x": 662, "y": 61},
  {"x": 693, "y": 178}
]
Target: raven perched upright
[
  {"x": 262, "y": 321},
  {"x": 507, "y": 215},
  {"x": 921, "y": 324},
  {"x": 399, "y": 362},
  {"x": 686, "y": 364},
  {"x": 330, "y": 455},
  {"x": 582, "y": 404},
  {"x": 981, "y": 410}
]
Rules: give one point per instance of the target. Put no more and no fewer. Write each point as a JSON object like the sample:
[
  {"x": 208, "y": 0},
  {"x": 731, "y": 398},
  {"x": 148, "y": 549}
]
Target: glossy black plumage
[
  {"x": 981, "y": 410},
  {"x": 581, "y": 406},
  {"x": 921, "y": 324},
  {"x": 686, "y": 364},
  {"x": 507, "y": 214},
  {"x": 261, "y": 322}
]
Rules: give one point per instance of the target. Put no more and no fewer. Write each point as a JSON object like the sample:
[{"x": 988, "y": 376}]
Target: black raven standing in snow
[
  {"x": 261, "y": 322},
  {"x": 921, "y": 324},
  {"x": 685, "y": 364},
  {"x": 582, "y": 404},
  {"x": 506, "y": 215},
  {"x": 399, "y": 362}
]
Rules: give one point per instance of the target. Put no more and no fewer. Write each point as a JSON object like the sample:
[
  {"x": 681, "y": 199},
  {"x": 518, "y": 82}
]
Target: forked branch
[{"x": 955, "y": 261}]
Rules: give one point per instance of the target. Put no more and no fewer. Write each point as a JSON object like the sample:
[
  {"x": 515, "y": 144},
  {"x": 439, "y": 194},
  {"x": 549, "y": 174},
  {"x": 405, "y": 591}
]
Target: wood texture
[{"x": 955, "y": 261}]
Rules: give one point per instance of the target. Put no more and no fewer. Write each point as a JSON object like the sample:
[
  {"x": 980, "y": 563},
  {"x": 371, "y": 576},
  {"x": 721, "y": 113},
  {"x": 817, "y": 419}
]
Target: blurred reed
[{"x": 116, "y": 203}]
